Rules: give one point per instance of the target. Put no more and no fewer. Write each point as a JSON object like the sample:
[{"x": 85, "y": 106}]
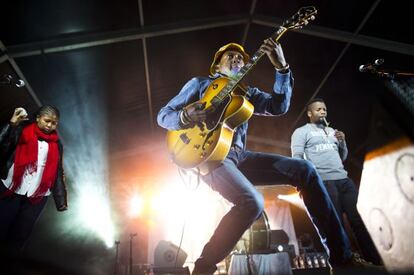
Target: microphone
[
  {"x": 9, "y": 80},
  {"x": 371, "y": 66},
  {"x": 325, "y": 122},
  {"x": 19, "y": 83}
]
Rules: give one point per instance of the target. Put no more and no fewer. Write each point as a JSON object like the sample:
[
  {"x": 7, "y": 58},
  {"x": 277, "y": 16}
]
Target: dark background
[{"x": 116, "y": 63}]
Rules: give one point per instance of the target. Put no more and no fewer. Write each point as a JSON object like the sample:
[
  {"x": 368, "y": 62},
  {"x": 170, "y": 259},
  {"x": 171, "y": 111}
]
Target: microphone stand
[
  {"x": 116, "y": 258},
  {"x": 401, "y": 84},
  {"x": 131, "y": 236},
  {"x": 389, "y": 74}
]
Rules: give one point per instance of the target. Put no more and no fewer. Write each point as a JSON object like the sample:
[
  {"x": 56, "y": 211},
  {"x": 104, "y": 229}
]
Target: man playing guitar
[{"x": 234, "y": 177}]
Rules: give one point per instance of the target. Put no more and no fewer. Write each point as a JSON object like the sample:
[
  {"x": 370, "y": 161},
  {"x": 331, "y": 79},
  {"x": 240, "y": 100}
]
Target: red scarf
[{"x": 26, "y": 159}]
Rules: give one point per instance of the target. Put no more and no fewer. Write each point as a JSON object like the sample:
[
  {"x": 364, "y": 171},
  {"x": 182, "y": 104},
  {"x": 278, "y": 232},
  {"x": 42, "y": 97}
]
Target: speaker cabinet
[
  {"x": 386, "y": 193},
  {"x": 167, "y": 254}
]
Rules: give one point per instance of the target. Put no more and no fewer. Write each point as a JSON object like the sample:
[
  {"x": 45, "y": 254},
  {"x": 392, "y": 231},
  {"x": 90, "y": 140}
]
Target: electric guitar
[{"x": 205, "y": 145}]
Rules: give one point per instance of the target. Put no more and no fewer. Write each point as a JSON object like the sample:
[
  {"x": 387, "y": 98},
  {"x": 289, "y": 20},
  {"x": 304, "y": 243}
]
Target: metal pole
[
  {"x": 131, "y": 236},
  {"x": 116, "y": 257}
]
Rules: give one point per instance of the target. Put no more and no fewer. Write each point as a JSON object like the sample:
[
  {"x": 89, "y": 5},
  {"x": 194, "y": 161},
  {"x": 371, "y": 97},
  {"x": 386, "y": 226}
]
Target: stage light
[
  {"x": 192, "y": 209},
  {"x": 316, "y": 260},
  {"x": 136, "y": 205},
  {"x": 94, "y": 213},
  {"x": 294, "y": 199},
  {"x": 83, "y": 128}
]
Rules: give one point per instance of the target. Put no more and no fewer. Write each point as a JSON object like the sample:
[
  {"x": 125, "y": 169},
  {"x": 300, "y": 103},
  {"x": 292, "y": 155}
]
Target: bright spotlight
[
  {"x": 84, "y": 132},
  {"x": 294, "y": 199},
  {"x": 136, "y": 205},
  {"x": 94, "y": 212},
  {"x": 158, "y": 203},
  {"x": 192, "y": 207}
]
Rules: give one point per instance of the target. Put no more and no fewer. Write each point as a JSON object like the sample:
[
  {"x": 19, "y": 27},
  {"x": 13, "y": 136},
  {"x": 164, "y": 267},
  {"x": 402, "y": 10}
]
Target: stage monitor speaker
[
  {"x": 386, "y": 192},
  {"x": 278, "y": 236},
  {"x": 167, "y": 254},
  {"x": 259, "y": 234},
  {"x": 256, "y": 239},
  {"x": 279, "y": 241}
]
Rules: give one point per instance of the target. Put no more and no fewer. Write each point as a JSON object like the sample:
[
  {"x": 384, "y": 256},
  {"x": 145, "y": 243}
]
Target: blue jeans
[
  {"x": 344, "y": 196},
  {"x": 235, "y": 180}
]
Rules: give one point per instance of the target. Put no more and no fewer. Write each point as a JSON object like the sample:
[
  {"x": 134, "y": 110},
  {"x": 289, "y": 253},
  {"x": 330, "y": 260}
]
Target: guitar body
[{"x": 205, "y": 145}]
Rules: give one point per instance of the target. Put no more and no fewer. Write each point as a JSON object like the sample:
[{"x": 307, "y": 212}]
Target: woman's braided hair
[{"x": 48, "y": 110}]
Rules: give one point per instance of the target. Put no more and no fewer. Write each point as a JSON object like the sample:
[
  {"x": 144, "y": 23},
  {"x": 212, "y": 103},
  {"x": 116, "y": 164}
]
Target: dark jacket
[{"x": 9, "y": 136}]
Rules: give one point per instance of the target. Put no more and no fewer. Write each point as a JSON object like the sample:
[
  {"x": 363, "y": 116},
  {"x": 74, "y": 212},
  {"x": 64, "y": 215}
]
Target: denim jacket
[{"x": 276, "y": 103}]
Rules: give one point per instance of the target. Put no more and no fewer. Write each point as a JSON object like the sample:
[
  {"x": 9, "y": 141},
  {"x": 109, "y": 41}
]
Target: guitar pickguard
[{"x": 216, "y": 116}]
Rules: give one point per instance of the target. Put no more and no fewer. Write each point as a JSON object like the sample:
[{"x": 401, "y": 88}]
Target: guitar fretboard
[{"x": 235, "y": 80}]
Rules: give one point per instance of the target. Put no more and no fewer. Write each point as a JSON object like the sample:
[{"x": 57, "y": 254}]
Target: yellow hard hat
[{"x": 219, "y": 53}]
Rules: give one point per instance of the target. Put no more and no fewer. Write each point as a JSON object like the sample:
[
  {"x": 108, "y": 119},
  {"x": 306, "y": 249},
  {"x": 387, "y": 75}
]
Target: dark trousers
[
  {"x": 344, "y": 196},
  {"x": 234, "y": 181},
  {"x": 17, "y": 219}
]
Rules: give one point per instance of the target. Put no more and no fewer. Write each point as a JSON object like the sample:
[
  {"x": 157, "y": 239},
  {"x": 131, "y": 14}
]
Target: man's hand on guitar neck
[
  {"x": 275, "y": 53},
  {"x": 194, "y": 113}
]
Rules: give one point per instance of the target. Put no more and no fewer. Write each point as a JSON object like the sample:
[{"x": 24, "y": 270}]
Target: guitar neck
[{"x": 235, "y": 80}]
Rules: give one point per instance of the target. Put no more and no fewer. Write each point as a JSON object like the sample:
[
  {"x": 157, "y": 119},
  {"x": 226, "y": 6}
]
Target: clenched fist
[{"x": 19, "y": 115}]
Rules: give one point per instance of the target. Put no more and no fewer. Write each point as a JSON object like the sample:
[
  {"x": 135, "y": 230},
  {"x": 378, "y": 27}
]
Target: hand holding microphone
[{"x": 340, "y": 136}]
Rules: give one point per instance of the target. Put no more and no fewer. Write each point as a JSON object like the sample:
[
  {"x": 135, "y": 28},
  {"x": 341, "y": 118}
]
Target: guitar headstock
[{"x": 300, "y": 18}]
